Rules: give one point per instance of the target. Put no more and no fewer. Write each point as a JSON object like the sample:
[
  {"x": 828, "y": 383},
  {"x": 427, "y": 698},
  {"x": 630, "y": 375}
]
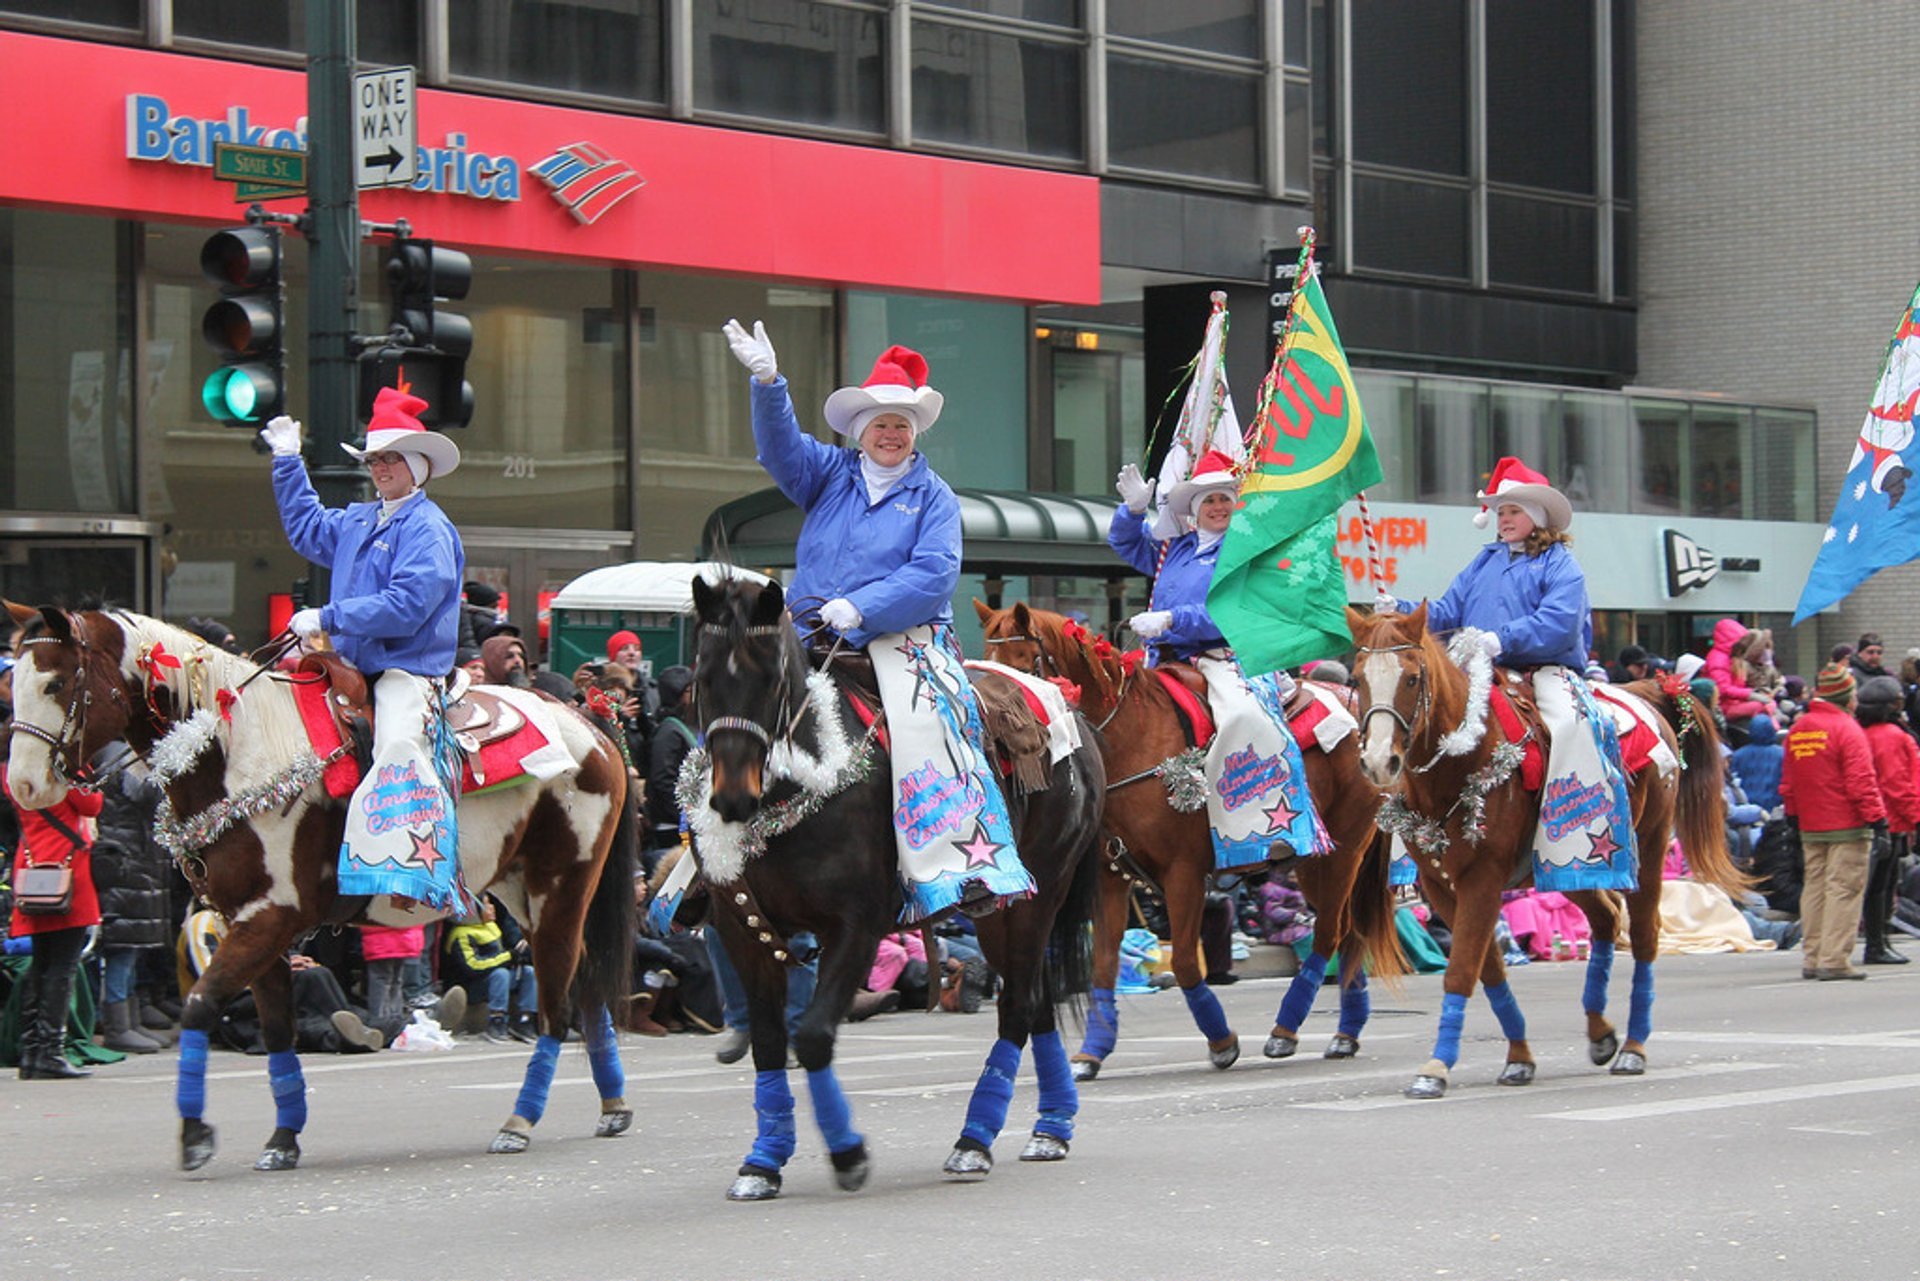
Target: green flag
[{"x": 1279, "y": 593}]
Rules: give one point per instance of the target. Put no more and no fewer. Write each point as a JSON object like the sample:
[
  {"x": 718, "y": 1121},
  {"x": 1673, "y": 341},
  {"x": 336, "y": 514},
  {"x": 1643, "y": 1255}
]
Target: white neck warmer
[
  {"x": 880, "y": 479},
  {"x": 388, "y": 506},
  {"x": 1207, "y": 541}
]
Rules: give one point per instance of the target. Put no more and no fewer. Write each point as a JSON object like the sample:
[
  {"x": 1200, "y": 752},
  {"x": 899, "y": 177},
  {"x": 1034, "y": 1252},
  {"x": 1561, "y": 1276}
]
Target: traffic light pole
[{"x": 333, "y": 235}]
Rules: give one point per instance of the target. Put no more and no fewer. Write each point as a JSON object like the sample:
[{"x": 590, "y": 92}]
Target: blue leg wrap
[
  {"x": 1103, "y": 1024},
  {"x": 1059, "y": 1096},
  {"x": 1298, "y": 1002},
  {"x": 1593, "y": 998},
  {"x": 190, "y": 1090},
  {"x": 830, "y": 1111},
  {"x": 1640, "y": 1012},
  {"x": 289, "y": 1090},
  {"x": 773, "y": 1104},
  {"x": 1356, "y": 1004},
  {"x": 1453, "y": 1017},
  {"x": 1206, "y": 1011},
  {"x": 992, "y": 1093},
  {"x": 532, "y": 1103},
  {"x": 603, "y": 1057},
  {"x": 1513, "y": 1024}
]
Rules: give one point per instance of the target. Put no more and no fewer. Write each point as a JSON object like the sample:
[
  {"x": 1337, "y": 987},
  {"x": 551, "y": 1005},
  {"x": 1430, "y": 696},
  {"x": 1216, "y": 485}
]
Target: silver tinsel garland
[
  {"x": 185, "y": 837},
  {"x": 1185, "y": 777},
  {"x": 691, "y": 792},
  {"x": 1429, "y": 835}
]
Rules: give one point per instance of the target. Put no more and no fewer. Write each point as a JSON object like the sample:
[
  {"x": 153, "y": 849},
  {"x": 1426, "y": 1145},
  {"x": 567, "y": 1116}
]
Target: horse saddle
[
  {"x": 1187, "y": 687},
  {"x": 1511, "y": 704}
]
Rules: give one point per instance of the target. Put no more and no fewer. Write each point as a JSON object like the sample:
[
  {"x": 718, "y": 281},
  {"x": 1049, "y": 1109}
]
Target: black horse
[{"x": 806, "y": 842}]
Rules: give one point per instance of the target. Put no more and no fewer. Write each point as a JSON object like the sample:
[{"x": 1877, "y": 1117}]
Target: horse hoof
[
  {"x": 196, "y": 1144},
  {"x": 613, "y": 1124},
  {"x": 969, "y": 1163},
  {"x": 1086, "y": 1069},
  {"x": 1427, "y": 1087},
  {"x": 1342, "y": 1046},
  {"x": 1226, "y": 1056},
  {"x": 1281, "y": 1047},
  {"x": 1516, "y": 1074},
  {"x": 851, "y": 1167},
  {"x": 1601, "y": 1052},
  {"x": 759, "y": 1185},
  {"x": 510, "y": 1143},
  {"x": 1630, "y": 1063},
  {"x": 1044, "y": 1147},
  {"x": 278, "y": 1159}
]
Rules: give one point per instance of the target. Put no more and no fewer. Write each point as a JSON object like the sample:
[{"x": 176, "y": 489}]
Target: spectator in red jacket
[
  {"x": 62, "y": 833},
  {"x": 1827, "y": 782},
  {"x": 1739, "y": 702},
  {"x": 1896, "y": 766}
]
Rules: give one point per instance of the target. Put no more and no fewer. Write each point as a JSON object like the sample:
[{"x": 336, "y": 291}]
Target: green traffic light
[{"x": 239, "y": 394}]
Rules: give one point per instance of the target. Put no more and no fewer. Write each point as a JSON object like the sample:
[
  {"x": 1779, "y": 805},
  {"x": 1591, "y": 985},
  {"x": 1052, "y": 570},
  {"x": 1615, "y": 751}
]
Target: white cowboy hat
[
  {"x": 1214, "y": 471},
  {"x": 395, "y": 425},
  {"x": 1515, "y": 482},
  {"x": 897, "y": 385}
]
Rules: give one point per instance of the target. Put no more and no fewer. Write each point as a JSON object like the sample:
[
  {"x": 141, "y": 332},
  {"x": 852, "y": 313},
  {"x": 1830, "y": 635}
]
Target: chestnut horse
[
  {"x": 1172, "y": 849},
  {"x": 1412, "y": 695},
  {"x": 258, "y": 838}
]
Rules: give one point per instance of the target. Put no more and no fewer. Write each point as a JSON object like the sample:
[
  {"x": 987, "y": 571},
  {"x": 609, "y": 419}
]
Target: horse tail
[
  {"x": 1069, "y": 966},
  {"x": 1373, "y": 909},
  {"x": 605, "y": 972},
  {"x": 1700, "y": 820}
]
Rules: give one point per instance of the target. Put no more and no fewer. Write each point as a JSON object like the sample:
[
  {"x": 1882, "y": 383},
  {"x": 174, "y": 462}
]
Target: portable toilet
[{"x": 651, "y": 598}]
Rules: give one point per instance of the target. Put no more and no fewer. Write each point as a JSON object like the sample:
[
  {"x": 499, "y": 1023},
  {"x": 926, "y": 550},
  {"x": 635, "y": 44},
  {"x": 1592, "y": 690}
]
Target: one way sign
[{"x": 384, "y": 128}]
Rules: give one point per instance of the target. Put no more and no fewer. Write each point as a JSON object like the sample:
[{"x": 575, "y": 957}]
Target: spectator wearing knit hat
[
  {"x": 1896, "y": 765},
  {"x": 1827, "y": 783},
  {"x": 640, "y": 711}
]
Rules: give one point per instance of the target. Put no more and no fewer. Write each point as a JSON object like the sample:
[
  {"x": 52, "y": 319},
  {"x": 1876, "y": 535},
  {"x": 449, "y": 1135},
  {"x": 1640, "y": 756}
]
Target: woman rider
[{"x": 880, "y": 547}]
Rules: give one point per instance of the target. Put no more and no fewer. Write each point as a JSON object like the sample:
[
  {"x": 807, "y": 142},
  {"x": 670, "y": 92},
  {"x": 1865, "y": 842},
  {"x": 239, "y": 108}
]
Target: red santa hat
[
  {"x": 1515, "y": 482},
  {"x": 396, "y": 426},
  {"x": 1214, "y": 473},
  {"x": 897, "y": 385}
]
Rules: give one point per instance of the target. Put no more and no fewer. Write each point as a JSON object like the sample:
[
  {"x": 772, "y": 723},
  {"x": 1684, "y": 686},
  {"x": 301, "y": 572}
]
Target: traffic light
[
  {"x": 430, "y": 356},
  {"x": 435, "y": 378},
  {"x": 246, "y": 327}
]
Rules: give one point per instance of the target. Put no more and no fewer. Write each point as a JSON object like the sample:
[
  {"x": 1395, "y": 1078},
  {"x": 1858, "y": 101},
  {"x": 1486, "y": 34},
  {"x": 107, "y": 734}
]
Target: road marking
[
  {"x": 1586, "y": 1082},
  {"x": 1852, "y": 1040},
  {"x": 1745, "y": 1099}
]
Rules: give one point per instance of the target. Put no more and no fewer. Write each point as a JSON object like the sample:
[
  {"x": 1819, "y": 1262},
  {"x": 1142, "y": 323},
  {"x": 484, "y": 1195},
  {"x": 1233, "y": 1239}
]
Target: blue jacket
[
  {"x": 1180, "y": 588},
  {"x": 897, "y": 560},
  {"x": 1757, "y": 763},
  {"x": 395, "y": 599},
  {"x": 1537, "y": 605}
]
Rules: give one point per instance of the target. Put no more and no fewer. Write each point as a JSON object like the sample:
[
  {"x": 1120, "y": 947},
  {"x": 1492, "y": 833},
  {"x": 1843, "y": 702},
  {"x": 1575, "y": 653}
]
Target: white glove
[
  {"x": 1134, "y": 491},
  {"x": 305, "y": 622},
  {"x": 752, "y": 349},
  {"x": 282, "y": 435},
  {"x": 840, "y": 614},
  {"x": 1490, "y": 642},
  {"x": 1154, "y": 622},
  {"x": 1384, "y": 603}
]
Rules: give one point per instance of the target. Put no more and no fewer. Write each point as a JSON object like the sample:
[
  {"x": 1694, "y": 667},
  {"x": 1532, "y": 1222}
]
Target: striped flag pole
[{"x": 1380, "y": 593}]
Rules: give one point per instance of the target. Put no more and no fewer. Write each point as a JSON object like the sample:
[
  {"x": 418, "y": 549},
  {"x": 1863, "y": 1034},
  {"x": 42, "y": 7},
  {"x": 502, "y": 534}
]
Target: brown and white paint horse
[{"x": 558, "y": 853}]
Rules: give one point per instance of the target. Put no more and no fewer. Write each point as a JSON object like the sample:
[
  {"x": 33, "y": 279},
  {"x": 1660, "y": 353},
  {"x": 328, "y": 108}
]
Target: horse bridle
[
  {"x": 1042, "y": 660},
  {"x": 67, "y": 742},
  {"x": 1423, "y": 703},
  {"x": 746, "y": 724}
]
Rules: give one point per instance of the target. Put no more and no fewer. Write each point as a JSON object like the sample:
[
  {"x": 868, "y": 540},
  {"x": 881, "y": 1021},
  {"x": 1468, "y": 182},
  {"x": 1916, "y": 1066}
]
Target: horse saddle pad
[
  {"x": 1512, "y": 705},
  {"x": 1305, "y": 711},
  {"x": 336, "y": 707},
  {"x": 1015, "y": 719}
]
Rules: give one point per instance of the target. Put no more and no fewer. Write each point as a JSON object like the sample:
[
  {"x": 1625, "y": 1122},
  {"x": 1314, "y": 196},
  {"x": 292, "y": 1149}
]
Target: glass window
[
  {"x": 1414, "y": 227},
  {"x": 1055, "y": 13},
  {"x": 66, "y": 341},
  {"x": 1325, "y": 80},
  {"x": 1526, "y": 423},
  {"x": 1388, "y": 401},
  {"x": 1099, "y": 413},
  {"x": 1660, "y": 427},
  {"x": 985, "y": 90},
  {"x": 1179, "y": 119},
  {"x": 791, "y": 60},
  {"x": 1293, "y": 33},
  {"x": 1215, "y": 26},
  {"x": 122, "y": 14},
  {"x": 384, "y": 32},
  {"x": 976, "y": 358},
  {"x": 1783, "y": 466},
  {"x": 1450, "y": 441},
  {"x": 1541, "y": 244},
  {"x": 1717, "y": 446},
  {"x": 608, "y": 47},
  {"x": 1410, "y": 84},
  {"x": 1625, "y": 71},
  {"x": 1299, "y": 136},
  {"x": 1626, "y": 255},
  {"x": 1595, "y": 443},
  {"x": 1540, "y": 94}
]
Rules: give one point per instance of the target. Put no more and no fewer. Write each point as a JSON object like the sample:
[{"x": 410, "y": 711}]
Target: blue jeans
[
  {"x": 117, "y": 974},
  {"x": 512, "y": 986},
  {"x": 733, "y": 995}
]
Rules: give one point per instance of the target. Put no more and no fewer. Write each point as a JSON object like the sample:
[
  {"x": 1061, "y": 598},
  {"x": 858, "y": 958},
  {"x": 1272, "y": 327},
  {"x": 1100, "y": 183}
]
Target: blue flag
[{"x": 1876, "y": 522}]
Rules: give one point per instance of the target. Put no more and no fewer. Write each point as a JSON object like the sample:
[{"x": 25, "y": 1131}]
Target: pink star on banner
[
  {"x": 979, "y": 848},
  {"x": 425, "y": 852},
  {"x": 1604, "y": 846},
  {"x": 1280, "y": 817}
]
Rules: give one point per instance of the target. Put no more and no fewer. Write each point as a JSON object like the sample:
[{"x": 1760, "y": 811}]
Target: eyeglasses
[{"x": 389, "y": 459}]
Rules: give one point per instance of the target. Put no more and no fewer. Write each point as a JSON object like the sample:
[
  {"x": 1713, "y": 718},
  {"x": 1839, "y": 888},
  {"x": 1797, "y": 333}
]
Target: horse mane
[{"x": 1060, "y": 635}]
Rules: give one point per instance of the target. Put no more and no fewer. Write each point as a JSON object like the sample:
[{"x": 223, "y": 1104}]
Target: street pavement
[{"x": 1774, "y": 1136}]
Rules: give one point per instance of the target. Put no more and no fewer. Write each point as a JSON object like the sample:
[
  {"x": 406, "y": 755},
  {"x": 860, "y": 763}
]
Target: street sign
[
  {"x": 385, "y": 129},
  {"x": 265, "y": 166},
  {"x": 247, "y": 192}
]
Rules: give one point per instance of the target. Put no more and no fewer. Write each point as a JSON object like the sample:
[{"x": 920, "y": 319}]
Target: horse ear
[
  {"x": 768, "y": 605},
  {"x": 58, "y": 621},
  {"x": 21, "y": 614},
  {"x": 1022, "y": 616},
  {"x": 986, "y": 615},
  {"x": 1356, "y": 621},
  {"x": 1418, "y": 619},
  {"x": 704, "y": 596}
]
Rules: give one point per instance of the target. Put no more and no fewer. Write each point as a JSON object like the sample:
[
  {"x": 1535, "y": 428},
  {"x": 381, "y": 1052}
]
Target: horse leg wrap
[
  {"x": 1103, "y": 1024},
  {"x": 773, "y": 1104},
  {"x": 1513, "y": 1024},
  {"x": 992, "y": 1094},
  {"x": 289, "y": 1090},
  {"x": 532, "y": 1103},
  {"x": 1356, "y": 1005},
  {"x": 1059, "y": 1096},
  {"x": 1298, "y": 1002},
  {"x": 1593, "y": 997},
  {"x": 830, "y": 1111},
  {"x": 1453, "y": 1017},
  {"x": 1207, "y": 1014},
  {"x": 1640, "y": 1012},
  {"x": 603, "y": 1057},
  {"x": 190, "y": 1089}
]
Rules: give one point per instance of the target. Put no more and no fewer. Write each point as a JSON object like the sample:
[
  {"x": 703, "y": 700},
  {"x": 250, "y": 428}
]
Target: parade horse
[
  {"x": 1472, "y": 820},
  {"x": 805, "y": 841},
  {"x": 1170, "y": 848},
  {"x": 258, "y": 838}
]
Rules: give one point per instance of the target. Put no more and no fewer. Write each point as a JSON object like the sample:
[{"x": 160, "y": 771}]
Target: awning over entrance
[{"x": 1004, "y": 532}]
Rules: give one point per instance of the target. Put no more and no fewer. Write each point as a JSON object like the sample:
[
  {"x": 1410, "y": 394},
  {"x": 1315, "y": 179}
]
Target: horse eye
[{"x": 1410, "y": 679}]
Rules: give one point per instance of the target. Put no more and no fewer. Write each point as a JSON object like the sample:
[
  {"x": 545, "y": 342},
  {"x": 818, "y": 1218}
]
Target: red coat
[
  {"x": 1896, "y": 765},
  {"x": 1827, "y": 778},
  {"x": 41, "y": 842}
]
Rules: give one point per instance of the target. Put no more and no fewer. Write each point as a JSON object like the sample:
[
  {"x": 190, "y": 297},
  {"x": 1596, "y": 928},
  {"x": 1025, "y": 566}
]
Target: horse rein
[{"x": 1422, "y": 705}]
